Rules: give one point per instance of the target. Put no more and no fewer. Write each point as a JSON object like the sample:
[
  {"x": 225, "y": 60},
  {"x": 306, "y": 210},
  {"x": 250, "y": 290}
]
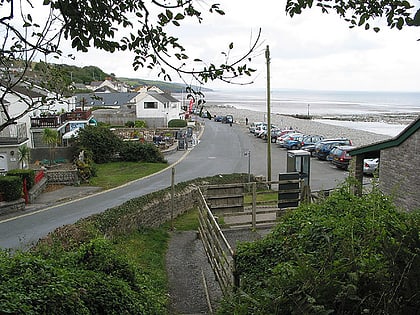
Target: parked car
[
  {"x": 254, "y": 126},
  {"x": 228, "y": 119},
  {"x": 260, "y": 129},
  {"x": 305, "y": 141},
  {"x": 282, "y": 140},
  {"x": 340, "y": 156},
  {"x": 292, "y": 142},
  {"x": 370, "y": 166},
  {"x": 279, "y": 133},
  {"x": 218, "y": 118},
  {"x": 323, "y": 148}
]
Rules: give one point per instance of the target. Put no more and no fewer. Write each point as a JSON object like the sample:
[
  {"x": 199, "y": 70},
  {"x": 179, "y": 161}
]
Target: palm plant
[
  {"x": 50, "y": 137},
  {"x": 23, "y": 155}
]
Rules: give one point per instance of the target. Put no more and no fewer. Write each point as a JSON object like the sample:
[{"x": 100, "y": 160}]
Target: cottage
[
  {"x": 399, "y": 165},
  {"x": 157, "y": 108}
]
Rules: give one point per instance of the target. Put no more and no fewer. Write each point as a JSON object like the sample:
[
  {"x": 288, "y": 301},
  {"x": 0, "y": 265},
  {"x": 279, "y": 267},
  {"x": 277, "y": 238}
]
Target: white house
[{"x": 157, "y": 108}]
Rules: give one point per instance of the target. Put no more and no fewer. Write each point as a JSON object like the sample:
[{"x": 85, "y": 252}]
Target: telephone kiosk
[{"x": 299, "y": 161}]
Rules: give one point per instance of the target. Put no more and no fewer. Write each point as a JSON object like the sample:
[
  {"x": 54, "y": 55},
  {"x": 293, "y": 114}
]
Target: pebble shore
[{"x": 306, "y": 126}]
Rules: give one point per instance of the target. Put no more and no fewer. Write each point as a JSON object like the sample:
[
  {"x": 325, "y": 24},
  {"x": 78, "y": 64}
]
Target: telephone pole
[{"x": 267, "y": 57}]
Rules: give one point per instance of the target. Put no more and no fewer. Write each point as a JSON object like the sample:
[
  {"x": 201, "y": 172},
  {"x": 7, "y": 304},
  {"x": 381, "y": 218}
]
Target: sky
[{"x": 310, "y": 51}]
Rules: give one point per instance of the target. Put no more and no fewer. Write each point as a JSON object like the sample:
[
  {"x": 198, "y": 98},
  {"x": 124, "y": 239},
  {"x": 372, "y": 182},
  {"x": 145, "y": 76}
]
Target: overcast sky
[{"x": 310, "y": 51}]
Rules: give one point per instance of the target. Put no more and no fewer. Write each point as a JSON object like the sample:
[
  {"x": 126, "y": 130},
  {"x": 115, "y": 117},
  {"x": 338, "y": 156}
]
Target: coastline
[{"x": 307, "y": 126}]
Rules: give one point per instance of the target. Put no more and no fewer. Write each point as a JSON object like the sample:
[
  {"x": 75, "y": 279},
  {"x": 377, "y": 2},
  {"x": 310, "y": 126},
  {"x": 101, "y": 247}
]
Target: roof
[
  {"x": 393, "y": 142},
  {"x": 106, "y": 99},
  {"x": 163, "y": 97}
]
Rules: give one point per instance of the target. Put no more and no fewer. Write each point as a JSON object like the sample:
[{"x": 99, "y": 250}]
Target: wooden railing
[
  {"x": 218, "y": 250},
  {"x": 54, "y": 121}
]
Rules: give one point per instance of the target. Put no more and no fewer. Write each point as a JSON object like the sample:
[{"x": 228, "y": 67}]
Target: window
[{"x": 150, "y": 105}]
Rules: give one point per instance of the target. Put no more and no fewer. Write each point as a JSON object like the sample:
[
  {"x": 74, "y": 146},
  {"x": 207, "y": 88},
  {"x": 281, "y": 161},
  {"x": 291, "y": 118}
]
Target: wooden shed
[{"x": 399, "y": 165}]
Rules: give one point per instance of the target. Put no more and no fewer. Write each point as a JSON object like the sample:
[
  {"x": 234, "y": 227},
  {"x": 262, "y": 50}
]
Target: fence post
[
  {"x": 235, "y": 273},
  {"x": 254, "y": 205}
]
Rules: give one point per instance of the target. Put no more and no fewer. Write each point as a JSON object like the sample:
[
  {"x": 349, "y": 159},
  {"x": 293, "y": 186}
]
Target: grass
[
  {"x": 146, "y": 248},
  {"x": 114, "y": 174}
]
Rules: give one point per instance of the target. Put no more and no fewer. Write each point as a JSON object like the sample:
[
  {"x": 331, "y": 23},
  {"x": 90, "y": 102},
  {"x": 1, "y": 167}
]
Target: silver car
[{"x": 370, "y": 166}]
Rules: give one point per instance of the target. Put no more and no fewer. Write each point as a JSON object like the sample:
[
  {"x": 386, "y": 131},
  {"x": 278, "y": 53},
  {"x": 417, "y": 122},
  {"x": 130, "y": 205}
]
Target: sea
[{"x": 380, "y": 112}]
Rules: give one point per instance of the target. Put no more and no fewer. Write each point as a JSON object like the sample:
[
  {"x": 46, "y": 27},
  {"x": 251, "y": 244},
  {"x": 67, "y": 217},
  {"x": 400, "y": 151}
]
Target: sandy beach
[{"x": 359, "y": 137}]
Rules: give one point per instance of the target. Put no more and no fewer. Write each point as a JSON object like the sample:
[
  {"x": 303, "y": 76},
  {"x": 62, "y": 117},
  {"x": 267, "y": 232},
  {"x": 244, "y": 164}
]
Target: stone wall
[
  {"x": 399, "y": 173},
  {"x": 158, "y": 210},
  {"x": 63, "y": 177}
]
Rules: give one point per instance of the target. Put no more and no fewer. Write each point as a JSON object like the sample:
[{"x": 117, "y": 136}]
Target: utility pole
[{"x": 267, "y": 57}]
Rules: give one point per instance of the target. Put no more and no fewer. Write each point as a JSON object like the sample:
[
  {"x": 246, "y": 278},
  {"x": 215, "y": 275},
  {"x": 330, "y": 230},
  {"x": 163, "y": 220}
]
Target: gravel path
[{"x": 186, "y": 262}]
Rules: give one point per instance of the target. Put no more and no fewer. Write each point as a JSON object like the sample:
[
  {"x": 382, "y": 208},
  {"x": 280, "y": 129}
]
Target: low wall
[
  {"x": 62, "y": 177},
  {"x": 12, "y": 206},
  {"x": 158, "y": 210},
  {"x": 37, "y": 190}
]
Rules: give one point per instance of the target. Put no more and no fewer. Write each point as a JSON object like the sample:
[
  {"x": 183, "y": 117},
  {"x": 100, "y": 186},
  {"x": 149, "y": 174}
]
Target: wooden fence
[{"x": 218, "y": 250}]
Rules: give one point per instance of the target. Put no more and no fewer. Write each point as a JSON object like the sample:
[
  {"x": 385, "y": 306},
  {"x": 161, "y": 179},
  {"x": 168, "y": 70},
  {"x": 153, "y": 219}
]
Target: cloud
[{"x": 311, "y": 51}]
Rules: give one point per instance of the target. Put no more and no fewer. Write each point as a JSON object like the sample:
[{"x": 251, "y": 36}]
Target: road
[{"x": 221, "y": 150}]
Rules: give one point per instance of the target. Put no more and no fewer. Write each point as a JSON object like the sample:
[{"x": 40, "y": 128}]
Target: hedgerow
[{"x": 344, "y": 255}]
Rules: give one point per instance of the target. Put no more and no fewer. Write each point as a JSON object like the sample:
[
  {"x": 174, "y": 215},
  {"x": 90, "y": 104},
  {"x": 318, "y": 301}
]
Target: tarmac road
[{"x": 220, "y": 151}]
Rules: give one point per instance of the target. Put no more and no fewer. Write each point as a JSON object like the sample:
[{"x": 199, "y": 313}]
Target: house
[
  {"x": 108, "y": 85},
  {"x": 66, "y": 124},
  {"x": 13, "y": 136},
  {"x": 108, "y": 100},
  {"x": 151, "y": 105},
  {"x": 157, "y": 108},
  {"x": 399, "y": 165}
]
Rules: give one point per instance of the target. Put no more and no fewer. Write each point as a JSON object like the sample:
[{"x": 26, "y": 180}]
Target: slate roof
[
  {"x": 106, "y": 99},
  {"x": 163, "y": 97}
]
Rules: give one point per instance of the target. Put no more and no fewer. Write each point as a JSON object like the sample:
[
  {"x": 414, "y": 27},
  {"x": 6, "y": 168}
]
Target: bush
[
  {"x": 93, "y": 280},
  {"x": 144, "y": 152},
  {"x": 177, "y": 123},
  {"x": 29, "y": 175},
  {"x": 11, "y": 187},
  {"x": 101, "y": 141},
  {"x": 345, "y": 255},
  {"x": 140, "y": 124},
  {"x": 129, "y": 124},
  {"x": 85, "y": 167}
]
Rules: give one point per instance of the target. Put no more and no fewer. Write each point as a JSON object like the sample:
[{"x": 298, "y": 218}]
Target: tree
[
  {"x": 51, "y": 138},
  {"x": 398, "y": 13},
  {"x": 96, "y": 24}
]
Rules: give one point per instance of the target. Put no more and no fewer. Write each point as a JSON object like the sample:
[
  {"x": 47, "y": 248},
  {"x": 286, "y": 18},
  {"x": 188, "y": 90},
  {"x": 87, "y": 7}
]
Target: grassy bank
[{"x": 114, "y": 174}]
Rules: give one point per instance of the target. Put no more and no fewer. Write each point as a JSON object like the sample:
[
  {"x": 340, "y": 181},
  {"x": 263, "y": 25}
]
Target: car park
[
  {"x": 323, "y": 148},
  {"x": 370, "y": 166},
  {"x": 340, "y": 156}
]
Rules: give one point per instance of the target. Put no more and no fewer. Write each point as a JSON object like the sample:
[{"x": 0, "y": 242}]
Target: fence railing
[{"x": 218, "y": 250}]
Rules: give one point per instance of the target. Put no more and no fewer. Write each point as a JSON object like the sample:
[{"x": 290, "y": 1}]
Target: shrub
[
  {"x": 345, "y": 255},
  {"x": 101, "y": 141},
  {"x": 11, "y": 187},
  {"x": 129, "y": 124},
  {"x": 177, "y": 123},
  {"x": 29, "y": 175},
  {"x": 144, "y": 152},
  {"x": 140, "y": 124},
  {"x": 85, "y": 167}
]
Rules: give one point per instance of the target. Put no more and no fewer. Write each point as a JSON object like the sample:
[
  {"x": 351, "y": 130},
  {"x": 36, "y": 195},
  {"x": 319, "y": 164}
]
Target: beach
[{"x": 306, "y": 126}]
